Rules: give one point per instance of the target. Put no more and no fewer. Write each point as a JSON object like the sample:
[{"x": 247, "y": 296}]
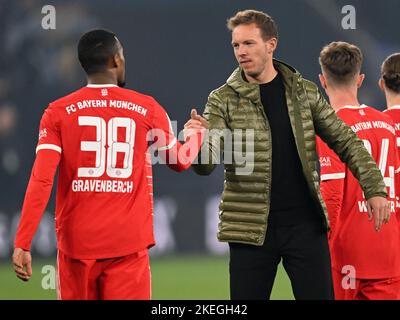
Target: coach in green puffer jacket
[
  {"x": 244, "y": 205},
  {"x": 271, "y": 207}
]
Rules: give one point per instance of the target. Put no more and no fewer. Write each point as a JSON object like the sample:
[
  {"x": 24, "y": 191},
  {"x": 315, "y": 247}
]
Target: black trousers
[{"x": 304, "y": 251}]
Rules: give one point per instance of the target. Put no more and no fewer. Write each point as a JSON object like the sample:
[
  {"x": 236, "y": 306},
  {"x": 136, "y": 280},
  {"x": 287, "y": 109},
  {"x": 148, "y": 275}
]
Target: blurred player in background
[
  {"x": 365, "y": 263},
  {"x": 390, "y": 85},
  {"x": 99, "y": 136}
]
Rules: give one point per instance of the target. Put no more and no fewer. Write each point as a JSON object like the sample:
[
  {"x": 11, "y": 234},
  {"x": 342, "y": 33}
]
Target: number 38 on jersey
[{"x": 108, "y": 149}]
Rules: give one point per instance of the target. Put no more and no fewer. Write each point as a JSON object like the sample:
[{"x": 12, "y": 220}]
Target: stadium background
[{"x": 176, "y": 51}]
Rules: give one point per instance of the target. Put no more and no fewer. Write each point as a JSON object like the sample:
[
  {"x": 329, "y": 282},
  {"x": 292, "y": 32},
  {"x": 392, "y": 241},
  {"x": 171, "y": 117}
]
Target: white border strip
[
  {"x": 352, "y": 107},
  {"x": 101, "y": 85},
  {"x": 48, "y": 147},
  {"x": 168, "y": 146},
  {"x": 396, "y": 107},
  {"x": 333, "y": 176}
]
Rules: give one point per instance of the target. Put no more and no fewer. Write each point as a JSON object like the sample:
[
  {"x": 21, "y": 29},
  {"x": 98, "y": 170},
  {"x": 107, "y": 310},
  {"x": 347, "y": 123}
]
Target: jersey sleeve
[
  {"x": 333, "y": 173},
  {"x": 162, "y": 131},
  {"x": 177, "y": 156},
  {"x": 49, "y": 133},
  {"x": 48, "y": 155},
  {"x": 36, "y": 197}
]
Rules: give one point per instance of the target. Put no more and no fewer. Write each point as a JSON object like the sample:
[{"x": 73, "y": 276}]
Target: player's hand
[
  {"x": 195, "y": 116},
  {"x": 378, "y": 209},
  {"x": 22, "y": 263},
  {"x": 195, "y": 125}
]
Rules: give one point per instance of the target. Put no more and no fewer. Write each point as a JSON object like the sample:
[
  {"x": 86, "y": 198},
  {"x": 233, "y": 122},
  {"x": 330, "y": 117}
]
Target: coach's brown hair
[
  {"x": 390, "y": 72},
  {"x": 341, "y": 62},
  {"x": 262, "y": 20}
]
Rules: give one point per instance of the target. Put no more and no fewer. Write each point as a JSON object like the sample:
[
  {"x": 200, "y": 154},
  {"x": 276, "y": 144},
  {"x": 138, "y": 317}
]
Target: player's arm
[
  {"x": 35, "y": 202},
  {"x": 333, "y": 173},
  {"x": 177, "y": 156},
  {"x": 48, "y": 154}
]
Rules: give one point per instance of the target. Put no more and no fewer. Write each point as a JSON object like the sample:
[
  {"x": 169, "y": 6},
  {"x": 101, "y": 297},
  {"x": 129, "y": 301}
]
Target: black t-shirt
[{"x": 291, "y": 200}]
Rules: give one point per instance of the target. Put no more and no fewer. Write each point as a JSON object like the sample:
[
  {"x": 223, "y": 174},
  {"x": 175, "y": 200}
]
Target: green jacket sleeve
[
  {"x": 346, "y": 144},
  {"x": 211, "y": 150}
]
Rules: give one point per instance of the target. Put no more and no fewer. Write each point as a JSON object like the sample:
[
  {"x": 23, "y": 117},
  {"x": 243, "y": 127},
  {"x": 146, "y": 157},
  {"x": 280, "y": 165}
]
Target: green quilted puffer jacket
[{"x": 244, "y": 206}]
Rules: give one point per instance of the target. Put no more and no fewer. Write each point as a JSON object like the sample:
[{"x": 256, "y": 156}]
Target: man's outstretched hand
[
  {"x": 195, "y": 116},
  {"x": 196, "y": 124},
  {"x": 378, "y": 209},
  {"x": 22, "y": 264}
]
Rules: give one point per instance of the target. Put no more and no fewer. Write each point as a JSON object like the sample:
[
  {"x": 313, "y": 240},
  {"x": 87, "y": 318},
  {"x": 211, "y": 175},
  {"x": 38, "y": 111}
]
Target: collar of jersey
[
  {"x": 394, "y": 107},
  {"x": 101, "y": 85},
  {"x": 362, "y": 106}
]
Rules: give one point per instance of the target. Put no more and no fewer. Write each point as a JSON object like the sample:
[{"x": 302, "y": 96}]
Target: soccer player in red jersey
[
  {"x": 98, "y": 137},
  {"x": 365, "y": 263},
  {"x": 390, "y": 85}
]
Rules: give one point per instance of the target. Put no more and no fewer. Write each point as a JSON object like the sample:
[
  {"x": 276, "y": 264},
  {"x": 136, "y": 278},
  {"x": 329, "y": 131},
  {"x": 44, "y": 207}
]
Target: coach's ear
[{"x": 271, "y": 45}]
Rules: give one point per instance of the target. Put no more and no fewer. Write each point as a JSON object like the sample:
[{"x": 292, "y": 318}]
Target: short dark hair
[
  {"x": 341, "y": 62},
  {"x": 391, "y": 72},
  {"x": 95, "y": 49},
  {"x": 262, "y": 20}
]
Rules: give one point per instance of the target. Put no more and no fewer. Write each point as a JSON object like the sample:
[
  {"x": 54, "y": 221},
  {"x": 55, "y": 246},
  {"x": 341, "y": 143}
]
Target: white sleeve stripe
[
  {"x": 173, "y": 142},
  {"x": 333, "y": 176},
  {"x": 48, "y": 147}
]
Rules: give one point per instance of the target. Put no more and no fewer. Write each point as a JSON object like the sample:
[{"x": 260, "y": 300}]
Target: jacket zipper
[{"x": 261, "y": 107}]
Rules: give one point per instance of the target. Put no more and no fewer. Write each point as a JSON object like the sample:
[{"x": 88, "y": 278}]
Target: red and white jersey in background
[
  {"x": 353, "y": 239},
  {"x": 104, "y": 205},
  {"x": 394, "y": 114}
]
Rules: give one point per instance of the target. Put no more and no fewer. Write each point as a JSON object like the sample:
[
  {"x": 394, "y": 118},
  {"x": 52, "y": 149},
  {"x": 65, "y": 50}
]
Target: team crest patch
[{"x": 43, "y": 133}]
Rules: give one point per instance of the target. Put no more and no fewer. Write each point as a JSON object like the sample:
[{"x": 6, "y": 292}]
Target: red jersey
[
  {"x": 104, "y": 200},
  {"x": 353, "y": 239},
  {"x": 394, "y": 114}
]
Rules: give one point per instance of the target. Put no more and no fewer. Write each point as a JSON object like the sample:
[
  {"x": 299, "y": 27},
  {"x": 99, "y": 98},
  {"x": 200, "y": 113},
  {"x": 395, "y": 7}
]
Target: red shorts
[
  {"x": 365, "y": 289},
  {"x": 122, "y": 278}
]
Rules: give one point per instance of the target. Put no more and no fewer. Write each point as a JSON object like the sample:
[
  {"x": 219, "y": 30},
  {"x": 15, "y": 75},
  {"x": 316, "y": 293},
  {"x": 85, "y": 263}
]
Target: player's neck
[
  {"x": 392, "y": 100},
  {"x": 341, "y": 98},
  {"x": 102, "y": 78}
]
